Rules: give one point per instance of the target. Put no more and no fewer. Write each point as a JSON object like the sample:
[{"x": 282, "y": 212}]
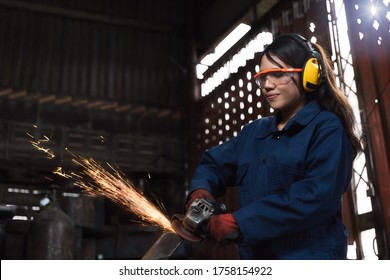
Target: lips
[{"x": 271, "y": 97}]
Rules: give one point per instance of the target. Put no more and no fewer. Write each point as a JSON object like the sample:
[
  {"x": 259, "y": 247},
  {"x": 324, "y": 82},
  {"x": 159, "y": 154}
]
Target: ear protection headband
[{"x": 312, "y": 71}]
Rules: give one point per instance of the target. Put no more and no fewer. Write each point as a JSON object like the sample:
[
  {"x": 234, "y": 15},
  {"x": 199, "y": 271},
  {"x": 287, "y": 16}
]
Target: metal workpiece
[{"x": 164, "y": 247}]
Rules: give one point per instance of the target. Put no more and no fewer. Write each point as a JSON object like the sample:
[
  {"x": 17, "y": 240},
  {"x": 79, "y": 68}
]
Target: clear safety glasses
[{"x": 276, "y": 76}]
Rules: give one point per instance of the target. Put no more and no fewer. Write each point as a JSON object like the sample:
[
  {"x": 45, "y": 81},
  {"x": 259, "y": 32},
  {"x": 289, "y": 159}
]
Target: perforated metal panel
[{"x": 227, "y": 109}]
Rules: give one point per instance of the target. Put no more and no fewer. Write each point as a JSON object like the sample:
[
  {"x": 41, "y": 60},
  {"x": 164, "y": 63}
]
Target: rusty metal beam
[
  {"x": 100, "y": 104},
  {"x": 372, "y": 81}
]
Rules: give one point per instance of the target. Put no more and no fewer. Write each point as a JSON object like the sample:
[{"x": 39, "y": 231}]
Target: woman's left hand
[{"x": 223, "y": 228}]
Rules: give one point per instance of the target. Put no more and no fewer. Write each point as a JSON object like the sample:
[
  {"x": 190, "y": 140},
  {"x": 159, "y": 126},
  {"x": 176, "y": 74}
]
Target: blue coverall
[{"x": 290, "y": 185}]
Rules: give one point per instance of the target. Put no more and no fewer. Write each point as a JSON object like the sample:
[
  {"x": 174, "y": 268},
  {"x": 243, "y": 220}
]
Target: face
[{"x": 285, "y": 97}]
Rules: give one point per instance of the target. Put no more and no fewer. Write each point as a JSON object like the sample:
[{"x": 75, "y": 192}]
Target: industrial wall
[{"x": 100, "y": 79}]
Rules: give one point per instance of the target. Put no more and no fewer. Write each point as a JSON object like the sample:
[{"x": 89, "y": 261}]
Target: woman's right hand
[{"x": 198, "y": 194}]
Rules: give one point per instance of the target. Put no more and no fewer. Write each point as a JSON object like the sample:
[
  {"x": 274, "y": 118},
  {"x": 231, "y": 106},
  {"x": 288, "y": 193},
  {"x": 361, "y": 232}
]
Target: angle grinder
[{"x": 192, "y": 226}]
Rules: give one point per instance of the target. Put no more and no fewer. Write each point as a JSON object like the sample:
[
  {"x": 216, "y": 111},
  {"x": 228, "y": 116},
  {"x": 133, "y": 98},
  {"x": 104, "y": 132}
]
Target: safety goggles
[{"x": 277, "y": 76}]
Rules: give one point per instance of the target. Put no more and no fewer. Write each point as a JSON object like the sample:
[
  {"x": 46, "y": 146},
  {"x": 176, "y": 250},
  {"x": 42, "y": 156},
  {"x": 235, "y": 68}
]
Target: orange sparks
[
  {"x": 97, "y": 181},
  {"x": 37, "y": 144},
  {"x": 121, "y": 191}
]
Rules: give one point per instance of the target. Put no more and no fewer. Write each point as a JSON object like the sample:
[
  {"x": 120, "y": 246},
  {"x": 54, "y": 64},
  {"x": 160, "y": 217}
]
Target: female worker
[{"x": 291, "y": 169}]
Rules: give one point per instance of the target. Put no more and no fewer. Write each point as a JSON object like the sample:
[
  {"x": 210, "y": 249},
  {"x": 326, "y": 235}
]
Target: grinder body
[{"x": 192, "y": 226}]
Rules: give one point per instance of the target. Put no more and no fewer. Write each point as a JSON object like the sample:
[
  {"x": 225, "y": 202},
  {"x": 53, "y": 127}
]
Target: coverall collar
[{"x": 301, "y": 119}]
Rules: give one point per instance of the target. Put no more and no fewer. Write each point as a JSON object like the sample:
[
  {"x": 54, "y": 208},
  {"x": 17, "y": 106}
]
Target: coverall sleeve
[
  {"x": 307, "y": 202},
  {"x": 216, "y": 169}
]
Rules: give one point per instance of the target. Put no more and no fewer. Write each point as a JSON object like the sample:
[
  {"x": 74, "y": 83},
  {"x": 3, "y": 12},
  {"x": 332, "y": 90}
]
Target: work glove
[
  {"x": 223, "y": 228},
  {"x": 198, "y": 194}
]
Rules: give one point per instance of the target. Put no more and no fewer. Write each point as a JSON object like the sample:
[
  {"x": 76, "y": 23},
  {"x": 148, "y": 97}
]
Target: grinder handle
[{"x": 219, "y": 208}]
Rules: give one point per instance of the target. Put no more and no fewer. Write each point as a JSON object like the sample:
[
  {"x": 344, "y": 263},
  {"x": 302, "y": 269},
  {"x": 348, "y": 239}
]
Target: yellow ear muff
[{"x": 311, "y": 75}]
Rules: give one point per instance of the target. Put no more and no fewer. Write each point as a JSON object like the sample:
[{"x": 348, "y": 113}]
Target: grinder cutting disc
[{"x": 177, "y": 225}]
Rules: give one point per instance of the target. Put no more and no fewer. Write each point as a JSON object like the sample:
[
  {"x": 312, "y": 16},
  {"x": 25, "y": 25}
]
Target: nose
[{"x": 268, "y": 84}]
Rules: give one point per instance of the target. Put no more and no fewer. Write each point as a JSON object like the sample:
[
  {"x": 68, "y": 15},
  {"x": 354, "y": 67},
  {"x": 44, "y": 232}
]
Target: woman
[{"x": 291, "y": 169}]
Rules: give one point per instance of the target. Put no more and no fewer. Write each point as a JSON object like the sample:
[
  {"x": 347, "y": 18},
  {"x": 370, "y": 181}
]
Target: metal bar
[{"x": 164, "y": 247}]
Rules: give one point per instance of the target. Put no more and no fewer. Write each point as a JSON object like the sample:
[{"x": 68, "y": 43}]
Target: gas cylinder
[{"x": 51, "y": 234}]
